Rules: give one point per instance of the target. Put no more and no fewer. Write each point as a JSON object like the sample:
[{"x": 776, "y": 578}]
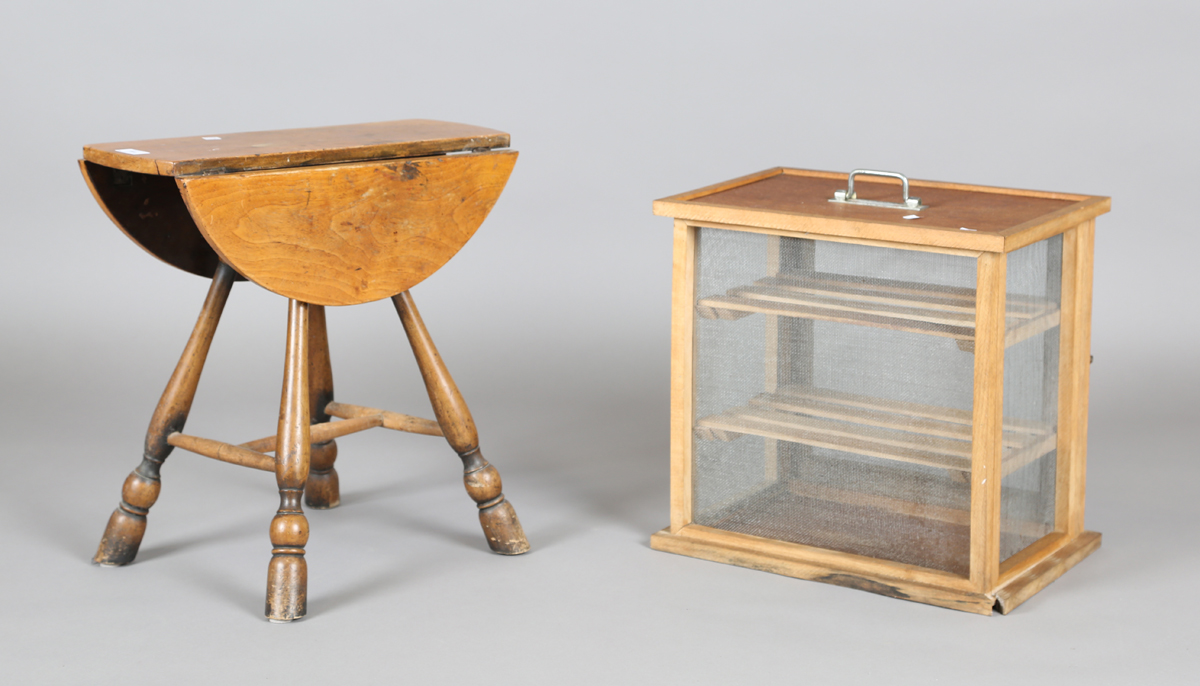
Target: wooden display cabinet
[{"x": 881, "y": 391}]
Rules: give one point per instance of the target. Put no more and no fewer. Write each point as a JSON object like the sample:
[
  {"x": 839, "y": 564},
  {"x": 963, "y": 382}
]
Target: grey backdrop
[{"x": 554, "y": 320}]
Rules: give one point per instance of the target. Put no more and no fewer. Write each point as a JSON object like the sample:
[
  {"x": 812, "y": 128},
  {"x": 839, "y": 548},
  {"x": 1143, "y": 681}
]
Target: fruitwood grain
[
  {"x": 127, "y": 525},
  {"x": 287, "y": 574},
  {"x": 348, "y": 233},
  {"x": 227, "y": 152},
  {"x": 322, "y": 491},
  {"x": 496, "y": 515}
]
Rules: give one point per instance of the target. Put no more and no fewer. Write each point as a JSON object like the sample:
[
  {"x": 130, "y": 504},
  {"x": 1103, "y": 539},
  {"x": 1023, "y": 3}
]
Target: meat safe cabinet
[{"x": 882, "y": 391}]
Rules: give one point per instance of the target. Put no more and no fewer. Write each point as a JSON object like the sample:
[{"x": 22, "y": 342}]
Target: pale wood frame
[
  {"x": 1074, "y": 369},
  {"x": 683, "y": 352},
  {"x": 987, "y": 420},
  {"x": 992, "y": 584},
  {"x": 1040, "y": 563}
]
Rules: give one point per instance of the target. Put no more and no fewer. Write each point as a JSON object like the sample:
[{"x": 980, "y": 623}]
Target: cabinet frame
[{"x": 992, "y": 584}]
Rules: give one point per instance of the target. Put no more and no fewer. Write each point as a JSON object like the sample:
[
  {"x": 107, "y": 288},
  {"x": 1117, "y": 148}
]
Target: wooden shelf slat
[
  {"x": 905, "y": 432},
  {"x": 898, "y": 305},
  {"x": 884, "y": 420},
  {"x": 740, "y": 421},
  {"x": 804, "y": 311},
  {"x": 946, "y": 414},
  {"x": 921, "y": 313},
  {"x": 904, "y": 293}
]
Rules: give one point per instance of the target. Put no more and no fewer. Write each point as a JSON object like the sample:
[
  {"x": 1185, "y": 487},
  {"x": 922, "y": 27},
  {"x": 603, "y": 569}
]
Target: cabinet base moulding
[
  {"x": 792, "y": 560},
  {"x": 1038, "y": 575}
]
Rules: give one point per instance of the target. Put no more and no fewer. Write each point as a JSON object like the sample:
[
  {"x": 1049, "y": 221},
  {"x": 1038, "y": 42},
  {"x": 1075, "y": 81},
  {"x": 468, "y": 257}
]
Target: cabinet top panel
[
  {"x": 956, "y": 215},
  {"x": 233, "y": 152}
]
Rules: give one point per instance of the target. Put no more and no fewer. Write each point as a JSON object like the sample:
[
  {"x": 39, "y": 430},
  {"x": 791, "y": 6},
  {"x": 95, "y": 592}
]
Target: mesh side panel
[
  {"x": 833, "y": 396},
  {"x": 1034, "y": 285}
]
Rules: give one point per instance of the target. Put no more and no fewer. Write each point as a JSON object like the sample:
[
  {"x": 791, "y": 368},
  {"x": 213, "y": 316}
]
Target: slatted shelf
[
  {"x": 883, "y": 303},
  {"x": 905, "y": 432}
]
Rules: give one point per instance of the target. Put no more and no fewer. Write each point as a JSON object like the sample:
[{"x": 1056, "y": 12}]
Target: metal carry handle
[{"x": 848, "y": 196}]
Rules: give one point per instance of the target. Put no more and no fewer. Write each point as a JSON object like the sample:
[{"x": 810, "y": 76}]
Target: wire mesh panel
[
  {"x": 833, "y": 391},
  {"x": 1034, "y": 289}
]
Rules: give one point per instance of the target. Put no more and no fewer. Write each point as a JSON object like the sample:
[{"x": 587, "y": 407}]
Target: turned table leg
[
  {"x": 321, "y": 492},
  {"x": 287, "y": 575},
  {"x": 496, "y": 515},
  {"x": 125, "y": 529}
]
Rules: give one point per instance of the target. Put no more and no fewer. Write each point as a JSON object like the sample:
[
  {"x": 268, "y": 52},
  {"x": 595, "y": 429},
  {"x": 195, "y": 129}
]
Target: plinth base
[{"x": 1027, "y": 573}]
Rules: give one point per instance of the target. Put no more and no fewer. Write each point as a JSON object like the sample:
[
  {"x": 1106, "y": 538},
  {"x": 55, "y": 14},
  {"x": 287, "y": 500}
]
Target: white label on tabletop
[
  {"x": 911, "y": 216},
  {"x": 132, "y": 151},
  {"x": 963, "y": 228},
  {"x": 210, "y": 138}
]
